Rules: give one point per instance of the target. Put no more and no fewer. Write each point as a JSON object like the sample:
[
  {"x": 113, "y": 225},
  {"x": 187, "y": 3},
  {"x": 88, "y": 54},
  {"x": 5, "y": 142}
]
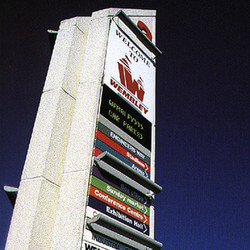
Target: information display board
[
  {"x": 124, "y": 130},
  {"x": 99, "y": 172},
  {"x": 130, "y": 72},
  {"x": 114, "y": 198},
  {"x": 123, "y": 115}
]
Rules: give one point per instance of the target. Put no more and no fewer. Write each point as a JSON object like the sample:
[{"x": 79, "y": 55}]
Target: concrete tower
[{"x": 88, "y": 179}]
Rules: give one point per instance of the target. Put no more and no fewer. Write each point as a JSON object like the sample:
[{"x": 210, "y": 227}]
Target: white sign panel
[{"x": 130, "y": 72}]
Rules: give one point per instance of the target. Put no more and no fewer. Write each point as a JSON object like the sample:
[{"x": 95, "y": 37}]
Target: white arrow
[
  {"x": 145, "y": 228},
  {"x": 146, "y": 210},
  {"x": 145, "y": 219},
  {"x": 146, "y": 166}
]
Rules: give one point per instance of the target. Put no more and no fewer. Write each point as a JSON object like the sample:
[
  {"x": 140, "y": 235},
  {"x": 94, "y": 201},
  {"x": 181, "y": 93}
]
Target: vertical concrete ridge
[
  {"x": 69, "y": 224},
  {"x": 41, "y": 135},
  {"x": 67, "y": 56},
  {"x": 50, "y": 136},
  {"x": 41, "y": 234},
  {"x": 32, "y": 220},
  {"x": 60, "y": 55},
  {"x": 36, "y": 205},
  {"x": 94, "y": 57}
]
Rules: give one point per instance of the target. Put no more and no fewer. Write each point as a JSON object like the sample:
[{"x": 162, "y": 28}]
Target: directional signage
[
  {"x": 124, "y": 130},
  {"x": 140, "y": 153},
  {"x": 118, "y": 210},
  {"x": 121, "y": 186},
  {"x": 104, "y": 143},
  {"x": 113, "y": 202}
]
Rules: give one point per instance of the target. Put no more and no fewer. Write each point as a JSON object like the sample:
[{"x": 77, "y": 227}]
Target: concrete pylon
[
  {"x": 36, "y": 205},
  {"x": 52, "y": 202}
]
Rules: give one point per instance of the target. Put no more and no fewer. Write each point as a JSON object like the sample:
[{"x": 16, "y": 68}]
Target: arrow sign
[{"x": 145, "y": 230}]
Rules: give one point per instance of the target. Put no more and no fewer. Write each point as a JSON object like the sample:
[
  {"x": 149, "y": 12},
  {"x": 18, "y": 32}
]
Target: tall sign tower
[{"x": 88, "y": 179}]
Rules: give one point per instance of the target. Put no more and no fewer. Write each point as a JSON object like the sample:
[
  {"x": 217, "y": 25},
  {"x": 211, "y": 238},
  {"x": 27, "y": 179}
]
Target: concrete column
[
  {"x": 35, "y": 210},
  {"x": 70, "y": 218},
  {"x": 69, "y": 223},
  {"x": 50, "y": 210}
]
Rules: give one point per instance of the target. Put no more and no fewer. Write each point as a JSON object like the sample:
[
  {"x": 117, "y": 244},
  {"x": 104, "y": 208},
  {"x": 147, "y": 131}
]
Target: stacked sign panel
[{"x": 124, "y": 130}]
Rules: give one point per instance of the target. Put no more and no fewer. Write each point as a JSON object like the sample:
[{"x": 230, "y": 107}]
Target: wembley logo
[
  {"x": 130, "y": 88},
  {"x": 130, "y": 70},
  {"x": 134, "y": 86}
]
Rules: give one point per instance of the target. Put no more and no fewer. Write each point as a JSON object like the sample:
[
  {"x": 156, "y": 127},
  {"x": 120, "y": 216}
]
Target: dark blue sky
[{"x": 202, "y": 157}]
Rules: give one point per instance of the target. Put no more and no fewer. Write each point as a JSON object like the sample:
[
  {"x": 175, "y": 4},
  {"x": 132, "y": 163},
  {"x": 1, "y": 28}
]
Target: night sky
[{"x": 202, "y": 154}]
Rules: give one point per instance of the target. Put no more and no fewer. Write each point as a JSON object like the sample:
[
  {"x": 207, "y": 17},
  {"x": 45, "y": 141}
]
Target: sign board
[
  {"x": 113, "y": 198},
  {"x": 101, "y": 135},
  {"x": 124, "y": 116},
  {"x": 130, "y": 72},
  {"x": 124, "y": 130}
]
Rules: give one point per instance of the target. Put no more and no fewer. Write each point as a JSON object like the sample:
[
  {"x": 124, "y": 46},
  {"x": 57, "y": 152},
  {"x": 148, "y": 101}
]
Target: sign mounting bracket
[
  {"x": 104, "y": 225},
  {"x": 108, "y": 161}
]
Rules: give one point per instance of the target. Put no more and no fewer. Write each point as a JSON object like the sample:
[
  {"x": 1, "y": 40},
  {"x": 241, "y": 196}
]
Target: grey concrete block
[
  {"x": 49, "y": 139},
  {"x": 67, "y": 57},
  {"x": 94, "y": 57},
  {"x": 81, "y": 140},
  {"x": 69, "y": 223},
  {"x": 33, "y": 216}
]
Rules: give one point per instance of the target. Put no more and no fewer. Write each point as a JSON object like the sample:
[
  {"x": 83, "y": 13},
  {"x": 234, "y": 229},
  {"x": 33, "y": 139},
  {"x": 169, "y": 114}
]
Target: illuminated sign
[{"x": 119, "y": 112}]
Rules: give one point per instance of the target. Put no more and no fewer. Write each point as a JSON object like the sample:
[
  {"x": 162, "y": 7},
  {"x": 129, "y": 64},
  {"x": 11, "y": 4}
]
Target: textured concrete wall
[
  {"x": 70, "y": 217},
  {"x": 35, "y": 210}
]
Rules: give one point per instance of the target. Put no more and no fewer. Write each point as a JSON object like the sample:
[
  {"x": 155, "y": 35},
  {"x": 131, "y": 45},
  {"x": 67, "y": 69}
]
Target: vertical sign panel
[
  {"x": 124, "y": 129},
  {"x": 130, "y": 72}
]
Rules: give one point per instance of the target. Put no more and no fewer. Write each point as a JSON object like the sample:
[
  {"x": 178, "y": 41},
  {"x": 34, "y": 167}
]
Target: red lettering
[
  {"x": 135, "y": 87},
  {"x": 144, "y": 28},
  {"x": 113, "y": 83}
]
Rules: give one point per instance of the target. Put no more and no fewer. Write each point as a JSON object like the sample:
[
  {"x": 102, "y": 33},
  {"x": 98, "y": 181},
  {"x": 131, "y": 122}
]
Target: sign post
[
  {"x": 105, "y": 189},
  {"x": 124, "y": 138}
]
